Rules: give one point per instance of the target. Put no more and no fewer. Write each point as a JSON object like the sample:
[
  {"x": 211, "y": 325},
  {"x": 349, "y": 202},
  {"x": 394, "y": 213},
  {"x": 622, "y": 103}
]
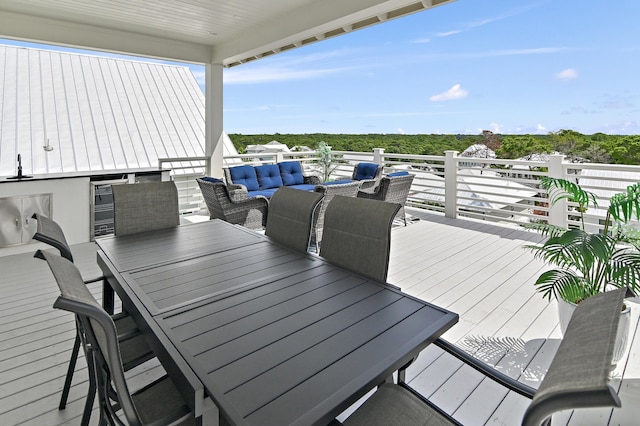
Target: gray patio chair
[
  {"x": 368, "y": 174},
  {"x": 136, "y": 350},
  {"x": 393, "y": 189},
  {"x": 328, "y": 191},
  {"x": 291, "y": 213},
  {"x": 157, "y": 403},
  {"x": 144, "y": 207},
  {"x": 577, "y": 378},
  {"x": 357, "y": 235},
  {"x": 233, "y": 206}
]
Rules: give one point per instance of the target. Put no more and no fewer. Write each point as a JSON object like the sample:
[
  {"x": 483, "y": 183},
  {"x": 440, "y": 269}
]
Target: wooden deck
[{"x": 476, "y": 269}]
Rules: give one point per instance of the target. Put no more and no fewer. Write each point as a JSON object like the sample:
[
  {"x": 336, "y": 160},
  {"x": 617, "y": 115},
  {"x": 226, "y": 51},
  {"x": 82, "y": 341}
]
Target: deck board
[{"x": 477, "y": 269}]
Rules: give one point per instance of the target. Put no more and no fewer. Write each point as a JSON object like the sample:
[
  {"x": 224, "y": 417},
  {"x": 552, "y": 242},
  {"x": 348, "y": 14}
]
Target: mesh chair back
[
  {"x": 49, "y": 232},
  {"x": 290, "y": 220},
  {"x": 357, "y": 235},
  {"x": 145, "y": 207},
  {"x": 96, "y": 324},
  {"x": 579, "y": 373}
]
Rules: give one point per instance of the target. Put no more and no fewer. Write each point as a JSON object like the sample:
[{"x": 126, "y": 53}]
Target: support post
[
  {"x": 378, "y": 156},
  {"x": 558, "y": 212},
  {"x": 450, "y": 184},
  {"x": 214, "y": 137}
]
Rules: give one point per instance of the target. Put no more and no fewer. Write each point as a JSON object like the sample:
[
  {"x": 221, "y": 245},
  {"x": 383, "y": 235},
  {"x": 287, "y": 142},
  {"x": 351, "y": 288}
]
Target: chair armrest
[
  {"x": 312, "y": 180},
  {"x": 94, "y": 280},
  {"x": 368, "y": 185},
  {"x": 487, "y": 370},
  {"x": 237, "y": 192}
]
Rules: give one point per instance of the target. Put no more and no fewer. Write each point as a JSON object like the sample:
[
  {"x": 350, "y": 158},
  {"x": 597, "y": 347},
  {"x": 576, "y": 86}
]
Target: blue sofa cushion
[
  {"x": 212, "y": 179},
  {"x": 303, "y": 187},
  {"x": 402, "y": 173},
  {"x": 264, "y": 192},
  {"x": 366, "y": 171},
  {"x": 291, "y": 173},
  {"x": 245, "y": 175},
  {"x": 268, "y": 176},
  {"x": 337, "y": 182}
]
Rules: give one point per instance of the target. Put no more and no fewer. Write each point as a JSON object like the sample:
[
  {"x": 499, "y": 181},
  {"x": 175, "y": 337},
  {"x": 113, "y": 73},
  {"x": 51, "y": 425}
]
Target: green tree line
[{"x": 595, "y": 148}]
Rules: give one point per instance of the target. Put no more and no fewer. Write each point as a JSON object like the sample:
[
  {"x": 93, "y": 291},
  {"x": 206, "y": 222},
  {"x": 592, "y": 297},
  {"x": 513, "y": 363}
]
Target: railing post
[
  {"x": 450, "y": 184},
  {"x": 279, "y": 157},
  {"x": 378, "y": 155},
  {"x": 558, "y": 212}
]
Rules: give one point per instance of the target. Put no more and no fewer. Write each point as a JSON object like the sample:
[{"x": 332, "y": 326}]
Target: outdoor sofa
[{"x": 266, "y": 179}]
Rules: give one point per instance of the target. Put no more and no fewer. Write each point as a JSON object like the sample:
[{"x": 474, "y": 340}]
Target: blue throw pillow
[
  {"x": 212, "y": 179},
  {"x": 403, "y": 173},
  {"x": 366, "y": 171},
  {"x": 245, "y": 175},
  {"x": 269, "y": 176},
  {"x": 291, "y": 173}
]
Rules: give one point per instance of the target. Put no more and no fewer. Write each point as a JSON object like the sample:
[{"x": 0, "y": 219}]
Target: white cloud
[
  {"x": 299, "y": 67},
  {"x": 401, "y": 131},
  {"x": 496, "y": 128},
  {"x": 541, "y": 129},
  {"x": 566, "y": 75},
  {"x": 456, "y": 92}
]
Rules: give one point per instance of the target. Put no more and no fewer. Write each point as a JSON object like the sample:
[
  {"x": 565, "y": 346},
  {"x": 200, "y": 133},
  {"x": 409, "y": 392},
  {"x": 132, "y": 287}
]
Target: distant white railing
[
  {"x": 497, "y": 190},
  {"x": 184, "y": 171}
]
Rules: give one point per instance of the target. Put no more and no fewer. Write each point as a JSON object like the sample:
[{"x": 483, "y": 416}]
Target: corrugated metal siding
[{"x": 98, "y": 113}]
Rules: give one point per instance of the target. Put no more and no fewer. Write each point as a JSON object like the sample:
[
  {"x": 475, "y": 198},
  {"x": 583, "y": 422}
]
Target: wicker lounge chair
[
  {"x": 233, "y": 206},
  {"x": 328, "y": 191},
  {"x": 368, "y": 174},
  {"x": 394, "y": 189}
]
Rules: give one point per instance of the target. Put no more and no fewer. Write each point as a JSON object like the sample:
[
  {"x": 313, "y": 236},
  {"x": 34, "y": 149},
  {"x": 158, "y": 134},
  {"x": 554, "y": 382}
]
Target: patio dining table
[{"x": 262, "y": 335}]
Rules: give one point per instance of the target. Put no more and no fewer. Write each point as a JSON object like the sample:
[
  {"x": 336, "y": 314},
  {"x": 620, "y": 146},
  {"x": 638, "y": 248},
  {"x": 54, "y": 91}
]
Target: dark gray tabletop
[
  {"x": 146, "y": 249},
  {"x": 278, "y": 337}
]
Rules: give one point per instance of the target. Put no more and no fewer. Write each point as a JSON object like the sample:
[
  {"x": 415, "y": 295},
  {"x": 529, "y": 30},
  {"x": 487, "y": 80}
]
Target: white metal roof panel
[{"x": 97, "y": 113}]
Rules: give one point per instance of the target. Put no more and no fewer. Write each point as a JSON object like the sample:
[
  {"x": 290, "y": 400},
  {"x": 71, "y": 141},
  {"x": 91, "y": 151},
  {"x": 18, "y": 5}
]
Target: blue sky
[
  {"x": 509, "y": 66},
  {"x": 502, "y": 65}
]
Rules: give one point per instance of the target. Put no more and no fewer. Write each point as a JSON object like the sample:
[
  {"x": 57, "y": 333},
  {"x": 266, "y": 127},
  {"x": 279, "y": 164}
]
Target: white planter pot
[{"x": 565, "y": 311}]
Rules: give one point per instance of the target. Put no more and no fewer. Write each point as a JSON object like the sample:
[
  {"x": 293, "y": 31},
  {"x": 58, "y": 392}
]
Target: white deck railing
[{"x": 497, "y": 190}]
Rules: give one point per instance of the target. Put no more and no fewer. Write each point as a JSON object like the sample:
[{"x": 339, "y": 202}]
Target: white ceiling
[{"x": 202, "y": 31}]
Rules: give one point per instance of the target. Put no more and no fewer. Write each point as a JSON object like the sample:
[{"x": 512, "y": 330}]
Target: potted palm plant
[{"x": 586, "y": 263}]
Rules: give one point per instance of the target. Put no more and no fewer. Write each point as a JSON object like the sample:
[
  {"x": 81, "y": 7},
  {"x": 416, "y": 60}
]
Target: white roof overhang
[{"x": 228, "y": 32}]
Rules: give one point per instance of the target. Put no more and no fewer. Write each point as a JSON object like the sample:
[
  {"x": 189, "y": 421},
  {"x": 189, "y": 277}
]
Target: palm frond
[
  {"x": 560, "y": 189},
  {"x": 560, "y": 283},
  {"x": 625, "y": 206},
  {"x": 545, "y": 229}
]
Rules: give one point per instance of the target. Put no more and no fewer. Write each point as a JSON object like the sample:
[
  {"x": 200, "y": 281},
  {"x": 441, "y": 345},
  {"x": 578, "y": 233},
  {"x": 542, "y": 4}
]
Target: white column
[
  {"x": 214, "y": 126},
  {"x": 450, "y": 184}
]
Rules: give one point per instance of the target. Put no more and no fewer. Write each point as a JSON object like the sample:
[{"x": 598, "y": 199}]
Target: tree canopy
[{"x": 596, "y": 148}]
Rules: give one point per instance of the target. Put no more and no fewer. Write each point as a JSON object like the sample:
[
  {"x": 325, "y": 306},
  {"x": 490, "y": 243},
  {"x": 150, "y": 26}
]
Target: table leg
[
  {"x": 210, "y": 414},
  {"x": 107, "y": 297}
]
